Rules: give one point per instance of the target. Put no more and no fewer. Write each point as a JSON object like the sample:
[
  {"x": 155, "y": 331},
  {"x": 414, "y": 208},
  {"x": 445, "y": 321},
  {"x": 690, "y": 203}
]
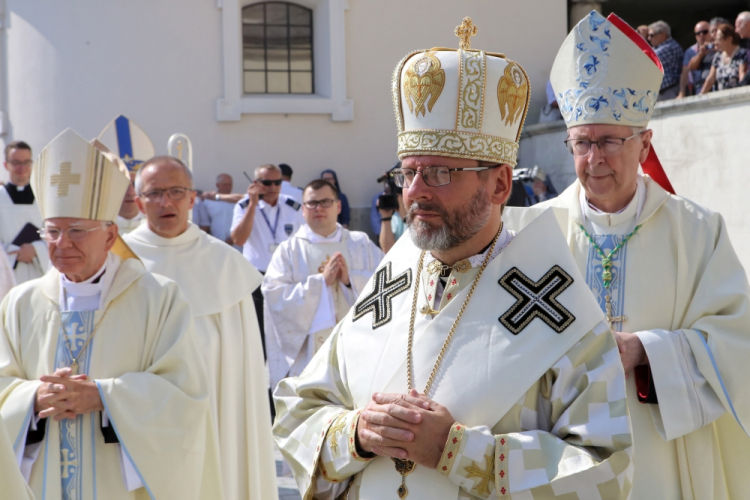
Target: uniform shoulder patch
[
  {"x": 384, "y": 289},
  {"x": 536, "y": 299},
  {"x": 244, "y": 203},
  {"x": 293, "y": 204}
]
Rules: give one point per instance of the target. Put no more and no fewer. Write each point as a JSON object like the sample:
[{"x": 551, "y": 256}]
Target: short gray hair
[
  {"x": 660, "y": 27},
  {"x": 717, "y": 21},
  {"x": 156, "y": 160},
  {"x": 269, "y": 167}
]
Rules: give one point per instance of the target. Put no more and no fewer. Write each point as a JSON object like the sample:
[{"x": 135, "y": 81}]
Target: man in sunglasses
[
  {"x": 20, "y": 218},
  {"x": 218, "y": 283},
  {"x": 476, "y": 363},
  {"x": 312, "y": 281},
  {"x": 696, "y": 64},
  {"x": 663, "y": 270}
]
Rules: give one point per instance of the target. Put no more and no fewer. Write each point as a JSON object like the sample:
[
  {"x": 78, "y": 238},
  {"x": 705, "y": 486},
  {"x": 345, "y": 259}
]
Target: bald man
[
  {"x": 218, "y": 283},
  {"x": 214, "y": 213}
]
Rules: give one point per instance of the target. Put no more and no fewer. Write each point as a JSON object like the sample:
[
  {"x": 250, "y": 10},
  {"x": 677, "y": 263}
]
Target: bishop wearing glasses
[
  {"x": 312, "y": 282},
  {"x": 103, "y": 387},
  {"x": 475, "y": 363},
  {"x": 218, "y": 283},
  {"x": 661, "y": 267}
]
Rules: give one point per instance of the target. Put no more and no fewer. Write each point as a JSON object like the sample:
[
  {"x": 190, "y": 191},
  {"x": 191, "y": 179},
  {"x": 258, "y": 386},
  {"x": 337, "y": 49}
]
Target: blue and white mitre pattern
[{"x": 606, "y": 73}]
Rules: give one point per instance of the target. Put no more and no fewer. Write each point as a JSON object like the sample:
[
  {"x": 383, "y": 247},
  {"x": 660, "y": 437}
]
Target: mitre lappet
[{"x": 463, "y": 103}]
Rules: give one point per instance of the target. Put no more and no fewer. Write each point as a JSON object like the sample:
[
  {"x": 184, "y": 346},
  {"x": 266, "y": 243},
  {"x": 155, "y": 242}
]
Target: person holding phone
[{"x": 262, "y": 220}]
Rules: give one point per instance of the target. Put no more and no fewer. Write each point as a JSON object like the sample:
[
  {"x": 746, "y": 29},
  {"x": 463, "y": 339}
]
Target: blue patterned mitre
[{"x": 602, "y": 75}]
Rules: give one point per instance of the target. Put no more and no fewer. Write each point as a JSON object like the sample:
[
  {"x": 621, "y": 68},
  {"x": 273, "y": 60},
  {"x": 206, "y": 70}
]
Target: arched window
[{"x": 277, "y": 49}]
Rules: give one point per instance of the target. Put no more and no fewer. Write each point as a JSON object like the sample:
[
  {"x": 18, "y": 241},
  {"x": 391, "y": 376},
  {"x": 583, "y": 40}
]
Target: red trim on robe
[{"x": 644, "y": 385}]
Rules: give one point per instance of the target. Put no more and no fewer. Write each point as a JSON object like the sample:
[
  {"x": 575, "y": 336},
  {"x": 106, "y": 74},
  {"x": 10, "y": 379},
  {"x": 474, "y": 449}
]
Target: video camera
[{"x": 389, "y": 199}]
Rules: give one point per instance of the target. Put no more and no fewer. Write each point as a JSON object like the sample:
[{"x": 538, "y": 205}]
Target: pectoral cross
[
  {"x": 64, "y": 179},
  {"x": 609, "y": 318},
  {"x": 486, "y": 475},
  {"x": 465, "y": 31},
  {"x": 403, "y": 467}
]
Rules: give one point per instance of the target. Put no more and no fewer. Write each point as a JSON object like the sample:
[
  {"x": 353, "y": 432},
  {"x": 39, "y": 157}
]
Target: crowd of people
[{"x": 593, "y": 345}]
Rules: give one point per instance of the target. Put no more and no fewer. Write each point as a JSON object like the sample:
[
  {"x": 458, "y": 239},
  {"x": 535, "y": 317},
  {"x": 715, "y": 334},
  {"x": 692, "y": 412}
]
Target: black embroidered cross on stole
[{"x": 379, "y": 300}]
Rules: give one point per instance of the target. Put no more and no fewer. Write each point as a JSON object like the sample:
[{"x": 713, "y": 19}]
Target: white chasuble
[
  {"x": 11, "y": 480},
  {"x": 145, "y": 360},
  {"x": 300, "y": 309},
  {"x": 678, "y": 284},
  {"x": 531, "y": 373},
  {"x": 13, "y": 219},
  {"x": 218, "y": 283}
]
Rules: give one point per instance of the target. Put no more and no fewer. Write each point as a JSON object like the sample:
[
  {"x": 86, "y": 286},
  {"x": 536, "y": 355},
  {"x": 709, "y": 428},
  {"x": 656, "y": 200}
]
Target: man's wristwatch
[{"x": 216, "y": 197}]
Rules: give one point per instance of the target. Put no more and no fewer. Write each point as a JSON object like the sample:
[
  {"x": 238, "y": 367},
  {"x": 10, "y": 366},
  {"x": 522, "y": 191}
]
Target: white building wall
[{"x": 80, "y": 63}]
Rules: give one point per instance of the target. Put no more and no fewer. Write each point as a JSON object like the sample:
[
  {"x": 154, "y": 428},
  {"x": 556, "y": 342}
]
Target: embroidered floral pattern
[
  {"x": 502, "y": 483},
  {"x": 452, "y": 446},
  {"x": 591, "y": 99}
]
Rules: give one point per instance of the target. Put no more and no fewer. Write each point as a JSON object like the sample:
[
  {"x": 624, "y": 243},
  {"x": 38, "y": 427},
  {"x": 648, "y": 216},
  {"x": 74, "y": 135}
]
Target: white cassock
[
  {"x": 218, "y": 283},
  {"x": 154, "y": 439},
  {"x": 13, "y": 218},
  {"x": 683, "y": 291},
  {"x": 300, "y": 309},
  {"x": 124, "y": 226},
  {"x": 532, "y": 377},
  {"x": 13, "y": 484}
]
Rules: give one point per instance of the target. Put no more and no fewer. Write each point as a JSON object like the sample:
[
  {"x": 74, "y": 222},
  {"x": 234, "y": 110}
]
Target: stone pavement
[{"x": 287, "y": 486}]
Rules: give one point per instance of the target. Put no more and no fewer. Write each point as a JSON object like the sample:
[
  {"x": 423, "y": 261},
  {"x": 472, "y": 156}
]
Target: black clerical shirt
[{"x": 22, "y": 196}]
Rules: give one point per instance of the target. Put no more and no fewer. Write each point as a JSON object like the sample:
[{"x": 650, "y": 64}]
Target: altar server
[
  {"x": 103, "y": 388},
  {"x": 662, "y": 268},
  {"x": 476, "y": 363},
  {"x": 312, "y": 282},
  {"x": 218, "y": 283}
]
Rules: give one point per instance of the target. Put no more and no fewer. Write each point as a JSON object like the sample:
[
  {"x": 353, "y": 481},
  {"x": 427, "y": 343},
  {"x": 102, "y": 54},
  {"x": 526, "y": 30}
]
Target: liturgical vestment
[
  {"x": 300, "y": 309},
  {"x": 681, "y": 288},
  {"x": 146, "y": 362},
  {"x": 218, "y": 283},
  {"x": 532, "y": 377},
  {"x": 11, "y": 480},
  {"x": 14, "y": 218}
]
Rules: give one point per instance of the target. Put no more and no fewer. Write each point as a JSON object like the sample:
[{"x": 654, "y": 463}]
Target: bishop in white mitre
[
  {"x": 218, "y": 283},
  {"x": 476, "y": 363},
  {"x": 103, "y": 388},
  {"x": 20, "y": 218},
  {"x": 661, "y": 267},
  {"x": 312, "y": 281}
]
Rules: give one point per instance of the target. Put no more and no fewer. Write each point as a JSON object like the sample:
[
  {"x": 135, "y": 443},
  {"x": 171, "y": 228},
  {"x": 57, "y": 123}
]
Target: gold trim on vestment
[
  {"x": 471, "y": 91},
  {"x": 457, "y": 145}
]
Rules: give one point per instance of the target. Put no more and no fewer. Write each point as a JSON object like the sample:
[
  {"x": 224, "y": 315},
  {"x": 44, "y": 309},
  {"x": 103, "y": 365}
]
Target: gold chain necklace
[{"x": 406, "y": 467}]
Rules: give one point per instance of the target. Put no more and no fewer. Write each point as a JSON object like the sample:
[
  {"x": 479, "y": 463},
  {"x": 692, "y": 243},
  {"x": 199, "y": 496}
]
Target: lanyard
[{"x": 275, "y": 224}]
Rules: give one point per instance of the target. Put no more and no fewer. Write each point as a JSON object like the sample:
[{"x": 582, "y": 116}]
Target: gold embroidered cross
[
  {"x": 609, "y": 318},
  {"x": 333, "y": 432},
  {"x": 465, "y": 31},
  {"x": 486, "y": 475},
  {"x": 64, "y": 179}
]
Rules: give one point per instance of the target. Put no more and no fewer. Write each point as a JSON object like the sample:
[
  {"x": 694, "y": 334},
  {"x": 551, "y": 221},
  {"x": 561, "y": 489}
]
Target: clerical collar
[
  {"x": 89, "y": 294},
  {"x": 629, "y": 214},
  {"x": 503, "y": 241},
  {"x": 20, "y": 195},
  {"x": 307, "y": 233}
]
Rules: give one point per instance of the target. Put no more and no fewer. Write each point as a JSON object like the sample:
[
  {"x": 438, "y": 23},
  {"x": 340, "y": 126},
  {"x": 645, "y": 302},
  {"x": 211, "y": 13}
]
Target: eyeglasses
[
  {"x": 324, "y": 203},
  {"x": 701, "y": 32},
  {"x": 174, "y": 193},
  {"x": 21, "y": 163},
  {"x": 434, "y": 176},
  {"x": 271, "y": 183},
  {"x": 610, "y": 146},
  {"x": 52, "y": 234}
]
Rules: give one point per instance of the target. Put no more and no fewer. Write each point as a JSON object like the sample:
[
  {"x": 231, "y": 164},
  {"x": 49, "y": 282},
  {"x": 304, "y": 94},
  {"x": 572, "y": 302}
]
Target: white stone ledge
[{"x": 712, "y": 100}]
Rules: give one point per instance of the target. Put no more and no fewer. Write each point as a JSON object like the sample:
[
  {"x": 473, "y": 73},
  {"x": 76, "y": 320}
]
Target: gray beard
[{"x": 458, "y": 227}]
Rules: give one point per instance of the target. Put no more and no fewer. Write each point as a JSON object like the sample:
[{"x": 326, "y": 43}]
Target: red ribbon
[{"x": 652, "y": 167}]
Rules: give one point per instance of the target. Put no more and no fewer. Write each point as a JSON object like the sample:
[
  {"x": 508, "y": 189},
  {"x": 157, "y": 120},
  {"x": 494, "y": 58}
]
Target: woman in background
[
  {"x": 730, "y": 62},
  {"x": 344, "y": 216}
]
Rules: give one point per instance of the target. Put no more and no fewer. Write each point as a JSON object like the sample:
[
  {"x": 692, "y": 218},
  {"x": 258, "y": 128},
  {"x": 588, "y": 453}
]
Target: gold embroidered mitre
[
  {"x": 461, "y": 103},
  {"x": 72, "y": 178}
]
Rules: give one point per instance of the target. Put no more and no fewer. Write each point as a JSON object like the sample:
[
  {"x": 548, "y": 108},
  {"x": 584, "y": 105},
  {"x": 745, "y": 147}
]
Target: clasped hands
[
  {"x": 336, "y": 268},
  {"x": 405, "y": 426},
  {"x": 63, "y": 395}
]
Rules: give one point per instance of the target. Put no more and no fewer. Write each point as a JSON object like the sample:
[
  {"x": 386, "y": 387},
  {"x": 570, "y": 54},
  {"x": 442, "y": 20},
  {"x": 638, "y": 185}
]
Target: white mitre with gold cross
[
  {"x": 605, "y": 72},
  {"x": 72, "y": 178},
  {"x": 463, "y": 103}
]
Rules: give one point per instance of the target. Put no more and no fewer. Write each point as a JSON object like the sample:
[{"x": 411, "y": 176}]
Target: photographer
[{"x": 392, "y": 212}]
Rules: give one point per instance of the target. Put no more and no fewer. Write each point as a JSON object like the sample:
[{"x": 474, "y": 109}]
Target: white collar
[
  {"x": 307, "y": 233},
  {"x": 503, "y": 241},
  {"x": 88, "y": 288},
  {"x": 631, "y": 211}
]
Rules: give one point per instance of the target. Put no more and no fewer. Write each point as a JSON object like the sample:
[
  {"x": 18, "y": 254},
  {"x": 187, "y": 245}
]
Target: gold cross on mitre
[
  {"x": 465, "y": 31},
  {"x": 64, "y": 179},
  {"x": 179, "y": 147}
]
